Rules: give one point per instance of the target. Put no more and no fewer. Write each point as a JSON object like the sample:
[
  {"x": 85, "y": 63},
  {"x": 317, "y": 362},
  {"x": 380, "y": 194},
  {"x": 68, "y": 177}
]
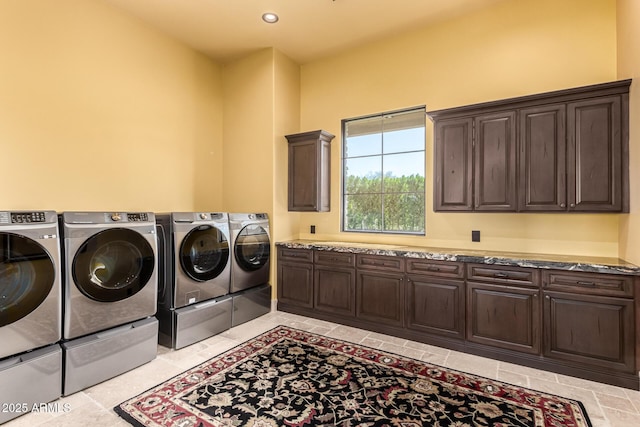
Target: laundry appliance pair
[
  {"x": 30, "y": 311},
  {"x": 214, "y": 273}
]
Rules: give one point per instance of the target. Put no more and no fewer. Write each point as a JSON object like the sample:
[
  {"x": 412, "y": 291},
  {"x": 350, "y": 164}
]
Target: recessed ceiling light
[{"x": 270, "y": 18}]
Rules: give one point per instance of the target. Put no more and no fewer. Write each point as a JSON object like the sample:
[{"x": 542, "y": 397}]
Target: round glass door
[
  {"x": 252, "y": 248},
  {"x": 113, "y": 265},
  {"x": 27, "y": 274},
  {"x": 204, "y": 253}
]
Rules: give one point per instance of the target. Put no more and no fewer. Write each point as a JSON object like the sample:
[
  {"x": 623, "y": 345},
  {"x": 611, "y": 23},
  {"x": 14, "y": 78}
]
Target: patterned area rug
[{"x": 288, "y": 377}]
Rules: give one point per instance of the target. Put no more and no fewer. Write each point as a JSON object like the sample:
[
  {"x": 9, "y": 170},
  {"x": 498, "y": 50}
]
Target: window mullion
[{"x": 382, "y": 187}]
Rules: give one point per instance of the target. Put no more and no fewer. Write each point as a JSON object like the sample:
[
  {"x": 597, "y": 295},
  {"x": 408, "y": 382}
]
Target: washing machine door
[
  {"x": 113, "y": 265},
  {"x": 252, "y": 248},
  {"x": 27, "y": 275},
  {"x": 204, "y": 253}
]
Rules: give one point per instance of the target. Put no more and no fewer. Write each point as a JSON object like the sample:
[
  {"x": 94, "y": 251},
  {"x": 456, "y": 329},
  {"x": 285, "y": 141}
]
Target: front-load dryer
[
  {"x": 30, "y": 290},
  {"x": 30, "y": 309},
  {"x": 251, "y": 247},
  {"x": 110, "y": 295},
  {"x": 194, "y": 280}
]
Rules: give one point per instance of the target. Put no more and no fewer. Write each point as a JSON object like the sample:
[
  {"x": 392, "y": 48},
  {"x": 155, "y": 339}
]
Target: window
[{"x": 383, "y": 173}]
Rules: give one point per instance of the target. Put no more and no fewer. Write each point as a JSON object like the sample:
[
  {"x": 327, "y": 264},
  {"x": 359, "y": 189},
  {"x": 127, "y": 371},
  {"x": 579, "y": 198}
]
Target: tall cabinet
[
  {"x": 562, "y": 151},
  {"x": 309, "y": 171}
]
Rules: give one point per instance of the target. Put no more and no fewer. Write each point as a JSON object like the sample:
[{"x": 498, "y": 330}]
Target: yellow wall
[
  {"x": 261, "y": 105},
  {"x": 248, "y": 133},
  {"x": 287, "y": 121},
  {"x": 99, "y": 112},
  {"x": 512, "y": 49},
  {"x": 629, "y": 67}
]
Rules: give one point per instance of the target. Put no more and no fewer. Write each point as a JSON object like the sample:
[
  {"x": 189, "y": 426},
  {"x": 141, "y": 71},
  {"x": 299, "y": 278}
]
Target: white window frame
[{"x": 382, "y": 154}]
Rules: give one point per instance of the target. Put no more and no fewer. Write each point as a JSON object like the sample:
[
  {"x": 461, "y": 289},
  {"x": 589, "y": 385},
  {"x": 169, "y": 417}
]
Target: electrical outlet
[
  {"x": 312, "y": 229},
  {"x": 475, "y": 235}
]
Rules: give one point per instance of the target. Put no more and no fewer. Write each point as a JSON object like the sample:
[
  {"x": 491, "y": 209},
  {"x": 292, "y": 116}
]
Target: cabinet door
[
  {"x": 436, "y": 306},
  {"x": 594, "y": 154},
  {"x": 542, "y": 166},
  {"x": 503, "y": 316},
  {"x": 380, "y": 297},
  {"x": 495, "y": 162},
  {"x": 295, "y": 284},
  {"x": 453, "y": 173},
  {"x": 335, "y": 290},
  {"x": 309, "y": 171},
  {"x": 589, "y": 330},
  {"x": 303, "y": 176}
]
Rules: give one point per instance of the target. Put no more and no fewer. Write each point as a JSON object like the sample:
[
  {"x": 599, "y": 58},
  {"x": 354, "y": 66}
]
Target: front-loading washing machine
[
  {"x": 251, "y": 246},
  {"x": 250, "y": 269},
  {"x": 193, "y": 286},
  {"x": 30, "y": 310},
  {"x": 110, "y": 295}
]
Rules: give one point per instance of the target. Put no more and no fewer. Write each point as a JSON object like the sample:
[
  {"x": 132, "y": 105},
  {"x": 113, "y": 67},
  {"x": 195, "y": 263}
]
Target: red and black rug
[{"x": 288, "y": 377}]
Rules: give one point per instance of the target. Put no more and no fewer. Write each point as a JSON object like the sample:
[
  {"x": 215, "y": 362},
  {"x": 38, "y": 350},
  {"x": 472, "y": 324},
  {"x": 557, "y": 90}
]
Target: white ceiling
[{"x": 308, "y": 29}]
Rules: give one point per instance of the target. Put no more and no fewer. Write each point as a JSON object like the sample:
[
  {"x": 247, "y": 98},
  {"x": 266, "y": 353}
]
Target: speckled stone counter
[{"x": 544, "y": 261}]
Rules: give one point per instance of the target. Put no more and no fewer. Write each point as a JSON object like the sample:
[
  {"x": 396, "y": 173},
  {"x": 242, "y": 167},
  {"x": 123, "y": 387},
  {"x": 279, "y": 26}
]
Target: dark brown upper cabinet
[
  {"x": 453, "y": 172},
  {"x": 542, "y": 169},
  {"x": 562, "y": 151},
  {"x": 495, "y": 162},
  {"x": 310, "y": 171},
  {"x": 595, "y": 154}
]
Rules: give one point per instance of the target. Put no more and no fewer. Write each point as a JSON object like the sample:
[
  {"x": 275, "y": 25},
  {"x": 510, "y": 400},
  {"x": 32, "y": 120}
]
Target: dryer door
[
  {"x": 252, "y": 248},
  {"x": 27, "y": 275},
  {"x": 113, "y": 265},
  {"x": 204, "y": 253}
]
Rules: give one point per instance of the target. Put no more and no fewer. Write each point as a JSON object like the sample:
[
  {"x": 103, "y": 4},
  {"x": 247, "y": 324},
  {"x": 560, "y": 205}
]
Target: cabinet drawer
[
  {"x": 436, "y": 268},
  {"x": 588, "y": 283},
  {"x": 302, "y": 255},
  {"x": 334, "y": 258},
  {"x": 376, "y": 262},
  {"x": 506, "y": 275}
]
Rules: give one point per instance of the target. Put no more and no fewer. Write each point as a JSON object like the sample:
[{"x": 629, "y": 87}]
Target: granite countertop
[{"x": 546, "y": 261}]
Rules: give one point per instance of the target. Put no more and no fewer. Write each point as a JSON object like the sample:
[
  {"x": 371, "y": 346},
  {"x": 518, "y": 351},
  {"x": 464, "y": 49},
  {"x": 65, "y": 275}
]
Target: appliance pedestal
[
  {"x": 187, "y": 325},
  {"x": 30, "y": 380},
  {"x": 251, "y": 303},
  {"x": 98, "y": 357}
]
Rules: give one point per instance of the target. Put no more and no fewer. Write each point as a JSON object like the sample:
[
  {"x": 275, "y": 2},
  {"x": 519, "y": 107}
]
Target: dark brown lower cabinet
[
  {"x": 503, "y": 316},
  {"x": 590, "y": 330},
  {"x": 380, "y": 297},
  {"x": 295, "y": 277},
  {"x": 574, "y": 323},
  {"x": 335, "y": 290},
  {"x": 435, "y": 305}
]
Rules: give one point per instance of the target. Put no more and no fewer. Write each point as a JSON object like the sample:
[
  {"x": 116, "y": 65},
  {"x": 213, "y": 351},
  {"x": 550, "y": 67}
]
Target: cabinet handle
[
  {"x": 562, "y": 205},
  {"x": 548, "y": 297},
  {"x": 583, "y": 283},
  {"x": 573, "y": 205},
  {"x": 501, "y": 275},
  {"x": 432, "y": 268}
]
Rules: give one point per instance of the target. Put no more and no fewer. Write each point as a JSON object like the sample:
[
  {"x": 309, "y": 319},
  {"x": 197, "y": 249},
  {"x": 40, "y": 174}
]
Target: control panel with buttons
[
  {"x": 137, "y": 217},
  {"x": 27, "y": 217}
]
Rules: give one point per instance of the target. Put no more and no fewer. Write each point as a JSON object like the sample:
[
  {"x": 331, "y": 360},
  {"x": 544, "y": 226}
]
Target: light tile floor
[{"x": 606, "y": 405}]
